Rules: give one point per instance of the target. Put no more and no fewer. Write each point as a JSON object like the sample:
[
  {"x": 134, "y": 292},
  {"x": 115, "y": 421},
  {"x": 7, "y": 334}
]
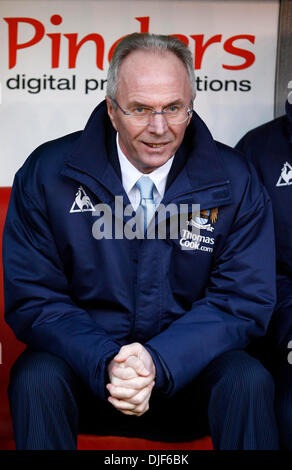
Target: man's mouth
[{"x": 154, "y": 146}]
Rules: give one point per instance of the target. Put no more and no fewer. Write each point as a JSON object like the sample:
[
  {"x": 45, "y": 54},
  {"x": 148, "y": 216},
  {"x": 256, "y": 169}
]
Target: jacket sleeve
[
  {"x": 238, "y": 301},
  {"x": 38, "y": 306}
]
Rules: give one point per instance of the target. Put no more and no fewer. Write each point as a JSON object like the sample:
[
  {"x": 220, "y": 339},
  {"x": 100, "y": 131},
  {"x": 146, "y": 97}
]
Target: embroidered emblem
[
  {"x": 205, "y": 219},
  {"x": 286, "y": 175},
  {"x": 82, "y": 202}
]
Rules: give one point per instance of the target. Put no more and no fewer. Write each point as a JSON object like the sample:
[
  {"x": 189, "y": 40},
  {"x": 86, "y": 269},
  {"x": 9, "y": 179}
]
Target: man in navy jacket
[
  {"x": 118, "y": 324},
  {"x": 269, "y": 148}
]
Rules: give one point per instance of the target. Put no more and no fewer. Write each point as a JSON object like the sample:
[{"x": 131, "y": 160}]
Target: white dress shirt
[{"x": 130, "y": 176}]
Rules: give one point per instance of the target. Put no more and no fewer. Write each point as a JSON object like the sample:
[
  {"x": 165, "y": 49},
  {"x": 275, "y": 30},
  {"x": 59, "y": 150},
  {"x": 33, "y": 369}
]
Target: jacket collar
[
  {"x": 198, "y": 165},
  {"x": 94, "y": 161}
]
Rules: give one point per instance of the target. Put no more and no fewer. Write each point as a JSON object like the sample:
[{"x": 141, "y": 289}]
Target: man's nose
[{"x": 157, "y": 124}]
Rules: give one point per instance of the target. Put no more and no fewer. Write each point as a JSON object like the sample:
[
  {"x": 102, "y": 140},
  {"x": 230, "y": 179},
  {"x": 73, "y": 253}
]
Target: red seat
[{"x": 10, "y": 348}]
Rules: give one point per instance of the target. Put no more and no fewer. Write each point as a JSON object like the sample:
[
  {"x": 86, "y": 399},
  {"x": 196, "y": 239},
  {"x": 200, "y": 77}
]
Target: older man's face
[{"x": 153, "y": 80}]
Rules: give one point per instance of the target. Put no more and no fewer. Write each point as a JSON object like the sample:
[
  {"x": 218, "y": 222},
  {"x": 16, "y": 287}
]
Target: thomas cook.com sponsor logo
[
  {"x": 236, "y": 52},
  {"x": 203, "y": 221},
  {"x": 191, "y": 241}
]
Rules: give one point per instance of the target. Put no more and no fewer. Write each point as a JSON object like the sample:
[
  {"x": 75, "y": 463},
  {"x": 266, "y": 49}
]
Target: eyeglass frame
[{"x": 153, "y": 111}]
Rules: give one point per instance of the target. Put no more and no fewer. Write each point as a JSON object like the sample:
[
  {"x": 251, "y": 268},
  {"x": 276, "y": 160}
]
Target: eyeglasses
[{"x": 140, "y": 115}]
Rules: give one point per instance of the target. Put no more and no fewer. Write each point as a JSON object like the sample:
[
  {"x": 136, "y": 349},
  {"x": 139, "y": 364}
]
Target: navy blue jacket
[
  {"x": 269, "y": 148},
  {"x": 81, "y": 298}
]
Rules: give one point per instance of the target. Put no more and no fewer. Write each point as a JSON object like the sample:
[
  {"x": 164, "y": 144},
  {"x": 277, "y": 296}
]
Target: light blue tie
[{"x": 147, "y": 204}]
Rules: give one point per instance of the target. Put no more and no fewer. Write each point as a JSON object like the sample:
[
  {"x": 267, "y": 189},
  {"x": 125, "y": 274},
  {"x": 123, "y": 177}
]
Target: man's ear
[{"x": 111, "y": 111}]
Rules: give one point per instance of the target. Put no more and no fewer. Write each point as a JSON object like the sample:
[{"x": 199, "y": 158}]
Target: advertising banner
[{"x": 54, "y": 58}]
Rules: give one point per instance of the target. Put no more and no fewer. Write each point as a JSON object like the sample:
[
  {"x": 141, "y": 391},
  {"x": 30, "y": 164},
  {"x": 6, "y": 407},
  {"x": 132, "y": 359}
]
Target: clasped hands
[{"x": 131, "y": 373}]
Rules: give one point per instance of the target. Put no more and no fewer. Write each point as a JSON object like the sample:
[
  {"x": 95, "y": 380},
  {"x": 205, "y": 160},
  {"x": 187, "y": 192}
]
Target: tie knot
[{"x": 145, "y": 186}]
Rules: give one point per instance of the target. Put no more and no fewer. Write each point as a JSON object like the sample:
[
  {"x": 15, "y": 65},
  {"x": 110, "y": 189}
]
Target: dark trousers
[{"x": 232, "y": 399}]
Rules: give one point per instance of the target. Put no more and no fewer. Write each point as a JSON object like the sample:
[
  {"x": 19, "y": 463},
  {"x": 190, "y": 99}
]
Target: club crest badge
[{"x": 205, "y": 219}]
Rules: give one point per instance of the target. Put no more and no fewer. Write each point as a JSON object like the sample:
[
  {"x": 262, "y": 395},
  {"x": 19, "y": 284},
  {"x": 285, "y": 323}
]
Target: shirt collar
[{"x": 130, "y": 174}]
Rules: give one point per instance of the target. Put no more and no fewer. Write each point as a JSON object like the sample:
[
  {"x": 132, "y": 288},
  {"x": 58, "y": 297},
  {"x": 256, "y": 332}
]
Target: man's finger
[
  {"x": 142, "y": 396},
  {"x": 121, "y": 404},
  {"x": 137, "y": 383},
  {"x": 129, "y": 409},
  {"x": 124, "y": 373},
  {"x": 128, "y": 350},
  {"x": 135, "y": 363},
  {"x": 135, "y": 413},
  {"x": 121, "y": 393}
]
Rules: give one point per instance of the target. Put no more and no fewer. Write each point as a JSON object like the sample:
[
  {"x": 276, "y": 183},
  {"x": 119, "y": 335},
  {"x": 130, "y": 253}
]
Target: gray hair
[{"x": 150, "y": 42}]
